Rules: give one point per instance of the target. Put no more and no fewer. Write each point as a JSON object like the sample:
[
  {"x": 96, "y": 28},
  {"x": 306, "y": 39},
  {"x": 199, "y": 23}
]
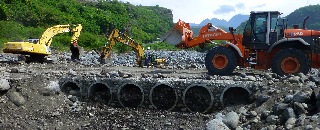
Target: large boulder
[
  {"x": 317, "y": 94},
  {"x": 301, "y": 96},
  {"x": 278, "y": 108},
  {"x": 289, "y": 113},
  {"x": 4, "y": 85},
  {"x": 16, "y": 98},
  {"x": 216, "y": 124},
  {"x": 231, "y": 120}
]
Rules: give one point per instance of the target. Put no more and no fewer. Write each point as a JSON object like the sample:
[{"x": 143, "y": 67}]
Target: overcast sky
[{"x": 194, "y": 11}]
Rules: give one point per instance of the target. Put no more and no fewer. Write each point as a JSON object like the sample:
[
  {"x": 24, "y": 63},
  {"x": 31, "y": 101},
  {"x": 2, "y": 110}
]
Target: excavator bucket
[
  {"x": 177, "y": 34},
  {"x": 105, "y": 55},
  {"x": 76, "y": 52}
]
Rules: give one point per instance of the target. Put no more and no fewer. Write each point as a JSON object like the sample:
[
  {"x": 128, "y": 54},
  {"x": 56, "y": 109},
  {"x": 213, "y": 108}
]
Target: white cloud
[
  {"x": 194, "y": 11},
  {"x": 259, "y": 6},
  {"x": 240, "y": 6},
  {"x": 224, "y": 9}
]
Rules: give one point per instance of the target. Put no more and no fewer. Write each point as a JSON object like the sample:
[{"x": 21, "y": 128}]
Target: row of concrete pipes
[{"x": 202, "y": 96}]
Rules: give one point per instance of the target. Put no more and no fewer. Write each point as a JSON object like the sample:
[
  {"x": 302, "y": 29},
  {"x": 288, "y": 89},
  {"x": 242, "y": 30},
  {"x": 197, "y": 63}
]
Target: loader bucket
[{"x": 177, "y": 34}]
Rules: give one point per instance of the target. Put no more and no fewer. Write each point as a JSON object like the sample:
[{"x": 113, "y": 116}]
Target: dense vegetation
[
  {"x": 298, "y": 15},
  {"x": 21, "y": 19}
]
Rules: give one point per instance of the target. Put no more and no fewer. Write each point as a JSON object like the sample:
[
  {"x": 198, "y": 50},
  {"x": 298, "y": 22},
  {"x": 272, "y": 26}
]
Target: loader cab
[{"x": 261, "y": 29}]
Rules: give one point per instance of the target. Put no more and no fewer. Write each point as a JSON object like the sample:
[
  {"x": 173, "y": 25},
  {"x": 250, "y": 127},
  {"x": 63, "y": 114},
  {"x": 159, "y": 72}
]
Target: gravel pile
[
  {"x": 175, "y": 59},
  {"x": 181, "y": 59},
  {"x": 291, "y": 102},
  {"x": 8, "y": 57}
]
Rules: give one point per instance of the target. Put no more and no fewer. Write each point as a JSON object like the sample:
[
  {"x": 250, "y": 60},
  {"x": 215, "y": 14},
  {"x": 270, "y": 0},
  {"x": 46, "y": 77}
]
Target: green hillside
[
  {"x": 22, "y": 19},
  {"x": 298, "y": 15}
]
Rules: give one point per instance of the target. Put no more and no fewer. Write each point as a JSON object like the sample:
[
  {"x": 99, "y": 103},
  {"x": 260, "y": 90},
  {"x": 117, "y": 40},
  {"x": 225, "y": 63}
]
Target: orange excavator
[{"x": 265, "y": 43}]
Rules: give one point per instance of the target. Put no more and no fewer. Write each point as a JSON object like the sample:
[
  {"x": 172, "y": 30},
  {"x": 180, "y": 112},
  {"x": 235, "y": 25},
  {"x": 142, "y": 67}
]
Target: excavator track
[
  {"x": 197, "y": 94},
  {"x": 35, "y": 58}
]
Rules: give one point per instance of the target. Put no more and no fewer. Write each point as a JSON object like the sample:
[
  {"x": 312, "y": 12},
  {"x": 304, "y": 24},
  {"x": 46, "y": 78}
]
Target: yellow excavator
[
  {"x": 35, "y": 50},
  {"x": 117, "y": 36}
]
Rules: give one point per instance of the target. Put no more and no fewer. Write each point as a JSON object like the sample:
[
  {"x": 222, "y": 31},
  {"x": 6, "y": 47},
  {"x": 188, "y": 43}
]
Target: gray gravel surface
[{"x": 33, "y": 99}]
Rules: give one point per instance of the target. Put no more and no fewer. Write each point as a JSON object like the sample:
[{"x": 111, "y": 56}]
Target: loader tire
[
  {"x": 220, "y": 61},
  {"x": 290, "y": 61}
]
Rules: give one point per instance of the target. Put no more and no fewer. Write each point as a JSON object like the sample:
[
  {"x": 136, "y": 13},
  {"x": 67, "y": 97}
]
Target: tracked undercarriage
[{"x": 200, "y": 94}]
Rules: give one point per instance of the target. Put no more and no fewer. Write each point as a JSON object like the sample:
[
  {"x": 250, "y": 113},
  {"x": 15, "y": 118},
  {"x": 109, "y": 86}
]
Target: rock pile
[
  {"x": 175, "y": 59},
  {"x": 290, "y": 102}
]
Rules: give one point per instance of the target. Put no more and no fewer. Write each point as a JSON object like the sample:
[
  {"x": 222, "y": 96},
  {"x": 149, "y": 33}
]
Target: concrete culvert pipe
[
  {"x": 197, "y": 98},
  {"x": 71, "y": 88},
  {"x": 130, "y": 95},
  {"x": 99, "y": 92},
  {"x": 233, "y": 96},
  {"x": 163, "y": 97}
]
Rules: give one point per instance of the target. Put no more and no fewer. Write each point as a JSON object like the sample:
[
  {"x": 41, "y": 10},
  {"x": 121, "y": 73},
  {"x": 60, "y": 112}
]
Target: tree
[{"x": 97, "y": 18}]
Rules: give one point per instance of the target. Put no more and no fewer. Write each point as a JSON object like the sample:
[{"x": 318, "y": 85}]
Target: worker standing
[{"x": 148, "y": 59}]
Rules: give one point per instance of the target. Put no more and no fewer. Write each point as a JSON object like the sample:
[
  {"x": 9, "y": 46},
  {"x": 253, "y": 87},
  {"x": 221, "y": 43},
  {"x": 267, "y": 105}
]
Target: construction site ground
[
  {"x": 50, "y": 111},
  {"x": 31, "y": 103}
]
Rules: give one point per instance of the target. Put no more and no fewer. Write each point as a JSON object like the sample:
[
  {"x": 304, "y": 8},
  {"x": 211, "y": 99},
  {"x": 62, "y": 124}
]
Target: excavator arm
[
  {"x": 117, "y": 36},
  {"x": 75, "y": 29},
  {"x": 47, "y": 36}
]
